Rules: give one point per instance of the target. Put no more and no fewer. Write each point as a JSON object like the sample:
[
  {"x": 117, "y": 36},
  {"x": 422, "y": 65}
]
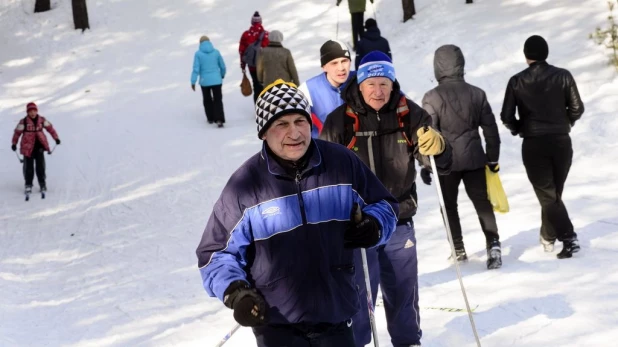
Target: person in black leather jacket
[{"x": 548, "y": 104}]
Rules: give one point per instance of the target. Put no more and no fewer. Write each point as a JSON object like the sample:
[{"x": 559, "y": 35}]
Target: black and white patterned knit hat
[{"x": 276, "y": 100}]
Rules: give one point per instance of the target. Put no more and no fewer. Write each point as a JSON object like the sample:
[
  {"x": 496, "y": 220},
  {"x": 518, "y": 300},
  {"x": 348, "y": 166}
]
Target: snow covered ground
[{"x": 108, "y": 258}]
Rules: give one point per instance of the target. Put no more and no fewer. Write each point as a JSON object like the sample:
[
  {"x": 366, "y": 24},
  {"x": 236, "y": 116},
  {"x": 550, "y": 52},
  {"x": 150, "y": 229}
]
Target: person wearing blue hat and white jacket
[
  {"x": 389, "y": 132},
  {"x": 209, "y": 66}
]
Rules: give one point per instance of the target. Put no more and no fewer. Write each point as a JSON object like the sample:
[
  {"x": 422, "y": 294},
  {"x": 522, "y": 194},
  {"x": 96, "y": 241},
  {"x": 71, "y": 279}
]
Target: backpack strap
[
  {"x": 355, "y": 125},
  {"x": 258, "y": 42},
  {"x": 402, "y": 112}
]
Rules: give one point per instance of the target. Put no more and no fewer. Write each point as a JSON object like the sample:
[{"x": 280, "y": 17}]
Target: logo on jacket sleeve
[{"x": 271, "y": 211}]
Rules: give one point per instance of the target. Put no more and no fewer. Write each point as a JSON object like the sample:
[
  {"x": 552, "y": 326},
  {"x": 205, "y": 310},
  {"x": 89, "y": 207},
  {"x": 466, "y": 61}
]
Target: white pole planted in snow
[{"x": 450, "y": 241}]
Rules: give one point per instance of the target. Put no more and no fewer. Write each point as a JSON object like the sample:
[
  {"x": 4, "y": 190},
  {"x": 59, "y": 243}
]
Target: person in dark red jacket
[
  {"x": 33, "y": 145},
  {"x": 249, "y": 37}
]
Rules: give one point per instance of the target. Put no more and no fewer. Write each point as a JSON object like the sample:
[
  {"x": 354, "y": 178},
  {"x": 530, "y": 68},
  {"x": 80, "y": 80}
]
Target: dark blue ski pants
[{"x": 395, "y": 267}]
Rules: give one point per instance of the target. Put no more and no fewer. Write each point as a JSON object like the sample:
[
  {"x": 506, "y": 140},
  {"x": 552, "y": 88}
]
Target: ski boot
[
  {"x": 548, "y": 246},
  {"x": 220, "y": 124},
  {"x": 494, "y": 255},
  {"x": 460, "y": 255},
  {"x": 569, "y": 247},
  {"x": 43, "y": 191}
]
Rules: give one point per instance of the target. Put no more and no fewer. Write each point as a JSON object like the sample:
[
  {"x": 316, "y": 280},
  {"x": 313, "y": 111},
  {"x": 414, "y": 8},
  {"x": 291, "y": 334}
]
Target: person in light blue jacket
[{"x": 209, "y": 66}]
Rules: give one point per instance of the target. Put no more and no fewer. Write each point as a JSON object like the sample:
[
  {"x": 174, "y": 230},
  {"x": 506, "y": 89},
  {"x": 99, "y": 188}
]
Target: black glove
[
  {"x": 57, "y": 141},
  {"x": 426, "y": 176},
  {"x": 493, "y": 167},
  {"x": 363, "y": 231},
  {"x": 248, "y": 305},
  {"x": 338, "y": 2},
  {"x": 371, "y": 1},
  {"x": 14, "y": 147}
]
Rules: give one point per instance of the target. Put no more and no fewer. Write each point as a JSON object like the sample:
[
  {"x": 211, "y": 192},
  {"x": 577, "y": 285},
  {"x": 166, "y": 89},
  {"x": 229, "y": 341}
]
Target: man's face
[
  {"x": 289, "y": 136},
  {"x": 337, "y": 71},
  {"x": 376, "y": 91},
  {"x": 32, "y": 113}
]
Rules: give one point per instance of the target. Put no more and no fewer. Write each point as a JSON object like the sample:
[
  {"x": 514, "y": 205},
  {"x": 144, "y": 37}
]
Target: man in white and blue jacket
[
  {"x": 324, "y": 90},
  {"x": 278, "y": 247}
]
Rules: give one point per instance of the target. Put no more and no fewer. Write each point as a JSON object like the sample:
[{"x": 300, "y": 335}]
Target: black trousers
[
  {"x": 408, "y": 9},
  {"x": 548, "y": 160},
  {"x": 213, "y": 103},
  {"x": 476, "y": 187},
  {"x": 358, "y": 24},
  {"x": 305, "y": 335},
  {"x": 257, "y": 86},
  {"x": 37, "y": 159}
]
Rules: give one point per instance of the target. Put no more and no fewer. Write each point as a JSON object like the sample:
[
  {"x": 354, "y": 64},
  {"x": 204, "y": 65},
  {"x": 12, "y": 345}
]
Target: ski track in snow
[{"x": 107, "y": 259}]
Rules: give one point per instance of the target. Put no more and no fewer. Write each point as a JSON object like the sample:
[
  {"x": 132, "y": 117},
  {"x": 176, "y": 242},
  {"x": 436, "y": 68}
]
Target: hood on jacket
[
  {"x": 448, "y": 62},
  {"x": 352, "y": 96},
  {"x": 206, "y": 47},
  {"x": 372, "y": 34}
]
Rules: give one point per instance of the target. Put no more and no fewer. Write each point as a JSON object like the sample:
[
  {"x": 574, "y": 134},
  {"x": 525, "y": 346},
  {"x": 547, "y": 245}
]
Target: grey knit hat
[{"x": 276, "y": 100}]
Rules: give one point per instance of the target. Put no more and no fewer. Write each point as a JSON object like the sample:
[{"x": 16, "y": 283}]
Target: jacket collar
[
  {"x": 539, "y": 63},
  {"x": 372, "y": 34},
  {"x": 351, "y": 76},
  {"x": 280, "y": 167},
  {"x": 275, "y": 44}
]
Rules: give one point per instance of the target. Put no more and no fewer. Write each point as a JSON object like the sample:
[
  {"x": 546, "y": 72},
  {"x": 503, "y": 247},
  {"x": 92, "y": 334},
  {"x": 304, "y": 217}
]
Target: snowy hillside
[{"x": 108, "y": 258}]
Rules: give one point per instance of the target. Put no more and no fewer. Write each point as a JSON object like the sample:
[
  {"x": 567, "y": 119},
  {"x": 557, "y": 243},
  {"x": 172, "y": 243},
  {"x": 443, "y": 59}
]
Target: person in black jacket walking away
[
  {"x": 371, "y": 41},
  {"x": 548, "y": 104},
  {"x": 458, "y": 109}
]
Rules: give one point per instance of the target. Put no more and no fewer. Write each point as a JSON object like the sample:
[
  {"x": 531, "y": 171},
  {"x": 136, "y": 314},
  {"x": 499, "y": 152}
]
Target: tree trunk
[
  {"x": 42, "y": 5},
  {"x": 80, "y": 15}
]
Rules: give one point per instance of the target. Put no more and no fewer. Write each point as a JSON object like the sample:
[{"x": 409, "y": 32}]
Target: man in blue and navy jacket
[
  {"x": 324, "y": 90},
  {"x": 278, "y": 247}
]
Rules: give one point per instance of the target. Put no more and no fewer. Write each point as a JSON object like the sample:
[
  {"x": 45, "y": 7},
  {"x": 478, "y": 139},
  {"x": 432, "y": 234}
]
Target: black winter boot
[
  {"x": 460, "y": 254},
  {"x": 494, "y": 255},
  {"x": 568, "y": 248}
]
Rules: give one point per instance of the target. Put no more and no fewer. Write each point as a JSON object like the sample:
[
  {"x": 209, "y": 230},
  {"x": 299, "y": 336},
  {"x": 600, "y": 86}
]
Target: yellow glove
[{"x": 430, "y": 142}]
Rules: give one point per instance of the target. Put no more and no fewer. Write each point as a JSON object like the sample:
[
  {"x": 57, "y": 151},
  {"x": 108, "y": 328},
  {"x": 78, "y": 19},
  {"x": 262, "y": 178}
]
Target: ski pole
[
  {"x": 374, "y": 11},
  {"x": 18, "y": 158},
  {"x": 228, "y": 335},
  {"x": 372, "y": 318},
  {"x": 52, "y": 151},
  {"x": 450, "y": 240},
  {"x": 337, "y": 32},
  {"x": 358, "y": 215}
]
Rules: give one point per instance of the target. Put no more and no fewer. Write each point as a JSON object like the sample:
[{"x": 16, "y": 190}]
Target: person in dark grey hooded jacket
[{"x": 458, "y": 109}]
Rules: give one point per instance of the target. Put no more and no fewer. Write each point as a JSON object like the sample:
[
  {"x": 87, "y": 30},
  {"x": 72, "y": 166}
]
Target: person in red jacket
[
  {"x": 33, "y": 145},
  {"x": 248, "y": 38}
]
